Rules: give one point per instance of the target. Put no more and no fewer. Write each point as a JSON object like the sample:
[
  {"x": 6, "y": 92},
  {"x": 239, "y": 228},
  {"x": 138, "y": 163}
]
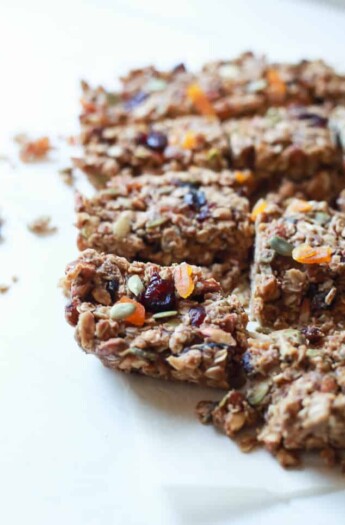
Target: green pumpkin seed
[
  {"x": 138, "y": 352},
  {"x": 162, "y": 315},
  {"x": 122, "y": 310},
  {"x": 322, "y": 218},
  {"x": 281, "y": 246},
  {"x": 213, "y": 153},
  {"x": 258, "y": 393},
  {"x": 113, "y": 98},
  {"x": 135, "y": 285},
  {"x": 156, "y": 222}
]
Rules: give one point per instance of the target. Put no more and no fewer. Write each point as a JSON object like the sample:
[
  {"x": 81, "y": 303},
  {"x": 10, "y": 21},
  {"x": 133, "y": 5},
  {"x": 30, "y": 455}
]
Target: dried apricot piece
[
  {"x": 244, "y": 177},
  {"x": 259, "y": 207},
  {"x": 184, "y": 283},
  {"x": 306, "y": 254},
  {"x": 137, "y": 318},
  {"x": 189, "y": 140},
  {"x": 198, "y": 97},
  {"x": 275, "y": 82}
]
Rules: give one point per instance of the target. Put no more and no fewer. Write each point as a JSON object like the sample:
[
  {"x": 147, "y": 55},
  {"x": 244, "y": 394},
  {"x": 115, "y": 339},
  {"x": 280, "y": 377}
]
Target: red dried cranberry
[
  {"x": 157, "y": 141},
  {"x": 314, "y": 119},
  {"x": 71, "y": 313},
  {"x": 159, "y": 295},
  {"x": 141, "y": 139},
  {"x": 197, "y": 315},
  {"x": 195, "y": 199},
  {"x": 136, "y": 100},
  {"x": 112, "y": 287},
  {"x": 313, "y": 334}
]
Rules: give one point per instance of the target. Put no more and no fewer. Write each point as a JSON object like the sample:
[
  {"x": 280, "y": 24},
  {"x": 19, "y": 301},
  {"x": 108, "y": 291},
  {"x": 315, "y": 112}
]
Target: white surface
[{"x": 78, "y": 443}]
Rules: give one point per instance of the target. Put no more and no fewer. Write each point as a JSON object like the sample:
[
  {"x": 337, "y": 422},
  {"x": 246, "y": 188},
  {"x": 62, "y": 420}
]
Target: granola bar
[
  {"x": 296, "y": 142},
  {"x": 153, "y": 148},
  {"x": 191, "y": 216},
  {"x": 169, "y": 322},
  {"x": 294, "y": 397},
  {"x": 242, "y": 86},
  {"x": 298, "y": 273}
]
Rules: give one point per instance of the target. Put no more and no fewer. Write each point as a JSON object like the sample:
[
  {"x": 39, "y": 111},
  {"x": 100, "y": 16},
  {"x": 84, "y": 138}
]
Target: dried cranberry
[
  {"x": 71, "y": 313},
  {"x": 112, "y": 287},
  {"x": 313, "y": 334},
  {"x": 141, "y": 139},
  {"x": 246, "y": 363},
  {"x": 159, "y": 295},
  {"x": 204, "y": 213},
  {"x": 136, "y": 100},
  {"x": 314, "y": 119},
  {"x": 195, "y": 199},
  {"x": 197, "y": 315},
  {"x": 157, "y": 141}
]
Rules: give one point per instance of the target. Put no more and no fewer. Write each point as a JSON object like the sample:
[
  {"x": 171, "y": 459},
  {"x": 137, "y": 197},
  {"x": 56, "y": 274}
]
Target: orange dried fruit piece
[
  {"x": 32, "y": 150},
  {"x": 275, "y": 82},
  {"x": 137, "y": 318},
  {"x": 183, "y": 281},
  {"x": 189, "y": 140},
  {"x": 299, "y": 206},
  {"x": 259, "y": 207},
  {"x": 244, "y": 177},
  {"x": 88, "y": 106},
  {"x": 198, "y": 97},
  {"x": 306, "y": 254}
]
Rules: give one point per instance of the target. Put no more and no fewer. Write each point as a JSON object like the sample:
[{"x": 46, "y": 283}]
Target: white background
[{"x": 80, "y": 444}]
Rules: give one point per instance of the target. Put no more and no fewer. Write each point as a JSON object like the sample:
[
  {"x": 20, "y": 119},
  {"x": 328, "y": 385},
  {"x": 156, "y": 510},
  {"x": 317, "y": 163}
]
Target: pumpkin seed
[
  {"x": 113, "y": 98},
  {"x": 122, "y": 226},
  {"x": 122, "y": 310},
  {"x": 156, "y": 222},
  {"x": 258, "y": 393},
  {"x": 213, "y": 153},
  {"x": 138, "y": 352},
  {"x": 162, "y": 315},
  {"x": 321, "y": 217},
  {"x": 281, "y": 246},
  {"x": 313, "y": 352},
  {"x": 135, "y": 285}
]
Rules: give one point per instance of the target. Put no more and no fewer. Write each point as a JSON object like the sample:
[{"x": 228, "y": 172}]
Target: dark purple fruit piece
[
  {"x": 112, "y": 287},
  {"x": 312, "y": 333},
  {"x": 157, "y": 141},
  {"x": 136, "y": 100},
  {"x": 159, "y": 295},
  {"x": 197, "y": 315},
  {"x": 195, "y": 199},
  {"x": 314, "y": 119}
]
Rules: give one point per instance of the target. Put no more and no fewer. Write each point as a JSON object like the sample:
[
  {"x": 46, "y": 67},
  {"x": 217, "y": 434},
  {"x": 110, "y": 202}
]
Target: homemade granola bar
[
  {"x": 298, "y": 274},
  {"x": 296, "y": 142},
  {"x": 242, "y": 86},
  {"x": 193, "y": 216},
  {"x": 154, "y": 148},
  {"x": 294, "y": 396},
  {"x": 166, "y": 322}
]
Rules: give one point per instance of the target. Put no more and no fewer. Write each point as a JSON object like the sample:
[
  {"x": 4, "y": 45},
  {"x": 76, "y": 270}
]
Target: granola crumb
[
  {"x": 15, "y": 278},
  {"x": 67, "y": 176},
  {"x": 42, "y": 226},
  {"x": 32, "y": 150},
  {"x": 4, "y": 288}
]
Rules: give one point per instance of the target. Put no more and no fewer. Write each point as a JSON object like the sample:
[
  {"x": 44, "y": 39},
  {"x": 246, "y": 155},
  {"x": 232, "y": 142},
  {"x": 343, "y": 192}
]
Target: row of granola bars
[{"x": 201, "y": 178}]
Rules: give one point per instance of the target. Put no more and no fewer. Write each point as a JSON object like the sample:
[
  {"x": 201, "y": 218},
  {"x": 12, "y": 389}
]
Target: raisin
[
  {"x": 156, "y": 141},
  {"x": 314, "y": 119},
  {"x": 195, "y": 199},
  {"x": 197, "y": 315},
  {"x": 71, "y": 313},
  {"x": 246, "y": 363},
  {"x": 141, "y": 139},
  {"x": 159, "y": 295},
  {"x": 313, "y": 334},
  {"x": 112, "y": 287},
  {"x": 136, "y": 100}
]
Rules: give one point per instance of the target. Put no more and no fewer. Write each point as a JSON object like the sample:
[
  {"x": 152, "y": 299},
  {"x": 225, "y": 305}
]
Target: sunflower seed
[{"x": 122, "y": 226}]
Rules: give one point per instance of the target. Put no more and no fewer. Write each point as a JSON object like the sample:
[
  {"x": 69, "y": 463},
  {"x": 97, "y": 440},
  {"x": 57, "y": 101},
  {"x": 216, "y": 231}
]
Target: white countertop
[{"x": 80, "y": 444}]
